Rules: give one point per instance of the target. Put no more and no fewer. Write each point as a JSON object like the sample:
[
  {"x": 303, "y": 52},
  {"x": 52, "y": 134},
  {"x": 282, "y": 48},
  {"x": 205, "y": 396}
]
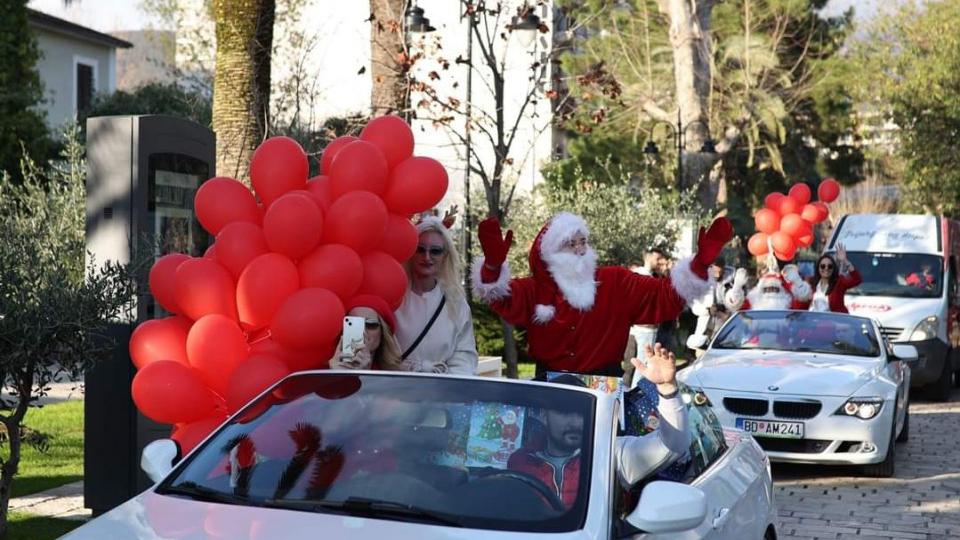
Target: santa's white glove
[
  {"x": 791, "y": 273},
  {"x": 740, "y": 278},
  {"x": 799, "y": 288}
]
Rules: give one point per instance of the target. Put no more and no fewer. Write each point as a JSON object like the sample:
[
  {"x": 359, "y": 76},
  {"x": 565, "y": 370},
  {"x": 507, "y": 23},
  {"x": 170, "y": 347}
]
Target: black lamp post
[{"x": 679, "y": 132}]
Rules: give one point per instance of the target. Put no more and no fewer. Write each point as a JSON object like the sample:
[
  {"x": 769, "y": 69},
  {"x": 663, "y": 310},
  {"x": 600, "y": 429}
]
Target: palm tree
[{"x": 241, "y": 87}]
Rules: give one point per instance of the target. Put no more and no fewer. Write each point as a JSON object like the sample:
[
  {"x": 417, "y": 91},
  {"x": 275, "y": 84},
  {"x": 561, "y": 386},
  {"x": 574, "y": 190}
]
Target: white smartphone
[{"x": 352, "y": 335}]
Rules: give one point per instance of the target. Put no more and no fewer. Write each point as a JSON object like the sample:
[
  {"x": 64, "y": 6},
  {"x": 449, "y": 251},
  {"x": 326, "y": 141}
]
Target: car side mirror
[
  {"x": 158, "y": 458},
  {"x": 907, "y": 353},
  {"x": 669, "y": 507},
  {"x": 697, "y": 341}
]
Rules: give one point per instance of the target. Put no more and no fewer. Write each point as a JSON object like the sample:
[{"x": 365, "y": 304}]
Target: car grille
[
  {"x": 796, "y": 409},
  {"x": 799, "y": 446},
  {"x": 749, "y": 407},
  {"x": 890, "y": 332}
]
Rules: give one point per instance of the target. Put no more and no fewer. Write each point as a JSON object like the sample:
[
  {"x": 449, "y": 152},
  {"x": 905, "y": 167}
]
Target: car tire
[
  {"x": 885, "y": 468},
  {"x": 904, "y": 435},
  {"x": 939, "y": 390}
]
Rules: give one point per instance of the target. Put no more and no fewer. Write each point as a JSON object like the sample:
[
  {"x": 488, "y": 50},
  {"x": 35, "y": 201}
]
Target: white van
[{"x": 909, "y": 266}]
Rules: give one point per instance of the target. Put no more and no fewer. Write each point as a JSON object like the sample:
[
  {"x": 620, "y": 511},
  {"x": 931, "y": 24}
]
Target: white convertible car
[
  {"x": 372, "y": 455},
  {"x": 810, "y": 387}
]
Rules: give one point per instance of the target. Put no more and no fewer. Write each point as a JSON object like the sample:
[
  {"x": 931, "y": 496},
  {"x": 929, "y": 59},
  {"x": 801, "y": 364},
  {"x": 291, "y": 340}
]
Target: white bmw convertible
[{"x": 810, "y": 387}]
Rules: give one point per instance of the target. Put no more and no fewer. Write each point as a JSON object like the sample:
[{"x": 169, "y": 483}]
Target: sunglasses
[
  {"x": 434, "y": 251},
  {"x": 826, "y": 266},
  {"x": 371, "y": 324}
]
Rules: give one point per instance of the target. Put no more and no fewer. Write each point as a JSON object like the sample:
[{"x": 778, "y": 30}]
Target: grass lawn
[
  {"x": 62, "y": 463},
  {"x": 30, "y": 527}
]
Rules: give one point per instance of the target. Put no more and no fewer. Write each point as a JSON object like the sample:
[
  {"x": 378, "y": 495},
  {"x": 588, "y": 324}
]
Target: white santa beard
[
  {"x": 765, "y": 300},
  {"x": 574, "y": 275}
]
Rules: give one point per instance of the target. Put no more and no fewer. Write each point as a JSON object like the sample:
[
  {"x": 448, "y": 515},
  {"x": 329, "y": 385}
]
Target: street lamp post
[
  {"x": 526, "y": 24},
  {"x": 679, "y": 132}
]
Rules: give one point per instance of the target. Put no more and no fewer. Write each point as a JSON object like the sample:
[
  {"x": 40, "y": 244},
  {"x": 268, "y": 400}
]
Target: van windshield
[{"x": 906, "y": 275}]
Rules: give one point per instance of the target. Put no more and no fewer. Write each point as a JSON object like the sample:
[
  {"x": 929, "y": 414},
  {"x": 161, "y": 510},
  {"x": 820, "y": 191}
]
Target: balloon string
[{"x": 772, "y": 265}]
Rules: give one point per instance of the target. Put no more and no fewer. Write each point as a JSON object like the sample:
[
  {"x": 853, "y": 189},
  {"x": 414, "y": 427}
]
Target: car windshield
[
  {"x": 905, "y": 275},
  {"x": 465, "y": 453},
  {"x": 800, "y": 331}
]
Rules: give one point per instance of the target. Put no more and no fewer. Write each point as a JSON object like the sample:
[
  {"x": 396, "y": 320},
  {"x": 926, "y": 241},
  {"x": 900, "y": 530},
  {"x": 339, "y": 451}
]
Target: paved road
[{"x": 922, "y": 501}]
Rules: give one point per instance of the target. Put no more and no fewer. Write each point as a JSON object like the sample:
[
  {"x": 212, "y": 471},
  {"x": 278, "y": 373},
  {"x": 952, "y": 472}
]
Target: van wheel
[
  {"x": 885, "y": 468},
  {"x": 904, "y": 435},
  {"x": 939, "y": 390}
]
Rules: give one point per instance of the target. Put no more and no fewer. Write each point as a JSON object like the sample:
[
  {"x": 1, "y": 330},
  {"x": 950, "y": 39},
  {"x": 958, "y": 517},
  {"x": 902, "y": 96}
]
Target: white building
[
  {"x": 76, "y": 63},
  {"x": 323, "y": 50}
]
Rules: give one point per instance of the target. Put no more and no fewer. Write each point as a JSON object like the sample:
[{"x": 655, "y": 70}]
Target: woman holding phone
[
  {"x": 377, "y": 348},
  {"x": 434, "y": 325}
]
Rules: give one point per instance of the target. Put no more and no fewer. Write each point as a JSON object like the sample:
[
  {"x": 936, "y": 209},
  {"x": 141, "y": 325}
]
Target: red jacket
[
  {"x": 835, "y": 296},
  {"x": 585, "y": 341},
  {"x": 530, "y": 462}
]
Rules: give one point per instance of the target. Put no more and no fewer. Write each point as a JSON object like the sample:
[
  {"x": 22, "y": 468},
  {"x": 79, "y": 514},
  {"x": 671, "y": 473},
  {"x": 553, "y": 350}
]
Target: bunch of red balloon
[
  {"x": 268, "y": 297},
  {"x": 786, "y": 222}
]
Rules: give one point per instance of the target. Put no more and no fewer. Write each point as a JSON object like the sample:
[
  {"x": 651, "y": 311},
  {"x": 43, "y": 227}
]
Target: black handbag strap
[{"x": 443, "y": 300}]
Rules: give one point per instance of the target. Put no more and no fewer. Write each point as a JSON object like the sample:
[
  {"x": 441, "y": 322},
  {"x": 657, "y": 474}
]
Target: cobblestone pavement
[{"x": 921, "y": 501}]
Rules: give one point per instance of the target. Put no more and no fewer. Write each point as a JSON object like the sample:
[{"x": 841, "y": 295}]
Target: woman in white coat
[{"x": 434, "y": 325}]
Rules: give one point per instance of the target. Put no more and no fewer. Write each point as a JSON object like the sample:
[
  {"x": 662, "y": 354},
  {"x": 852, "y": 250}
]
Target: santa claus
[
  {"x": 578, "y": 316},
  {"x": 775, "y": 290}
]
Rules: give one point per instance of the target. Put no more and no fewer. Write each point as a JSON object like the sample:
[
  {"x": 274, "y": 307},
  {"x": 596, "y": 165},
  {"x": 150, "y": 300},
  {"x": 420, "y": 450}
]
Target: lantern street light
[{"x": 679, "y": 133}]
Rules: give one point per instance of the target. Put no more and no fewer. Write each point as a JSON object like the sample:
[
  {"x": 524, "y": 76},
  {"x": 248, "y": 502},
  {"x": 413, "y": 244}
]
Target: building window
[{"x": 84, "y": 83}]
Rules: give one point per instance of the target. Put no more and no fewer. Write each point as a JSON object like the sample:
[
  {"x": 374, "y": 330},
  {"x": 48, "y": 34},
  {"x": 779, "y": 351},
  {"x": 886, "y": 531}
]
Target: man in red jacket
[{"x": 578, "y": 316}]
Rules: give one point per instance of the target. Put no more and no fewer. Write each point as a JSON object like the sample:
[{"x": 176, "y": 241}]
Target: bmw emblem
[{"x": 773, "y": 388}]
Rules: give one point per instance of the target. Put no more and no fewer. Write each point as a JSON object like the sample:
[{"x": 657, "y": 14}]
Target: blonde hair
[
  {"x": 449, "y": 276},
  {"x": 387, "y": 355}
]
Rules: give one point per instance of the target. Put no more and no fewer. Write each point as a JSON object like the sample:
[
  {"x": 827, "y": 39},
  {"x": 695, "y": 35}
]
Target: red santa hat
[
  {"x": 375, "y": 303},
  {"x": 550, "y": 240}
]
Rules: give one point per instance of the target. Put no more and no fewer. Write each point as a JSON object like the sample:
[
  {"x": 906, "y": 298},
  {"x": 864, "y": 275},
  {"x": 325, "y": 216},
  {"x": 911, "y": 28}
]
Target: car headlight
[
  {"x": 927, "y": 329},
  {"x": 863, "y": 408},
  {"x": 697, "y": 397}
]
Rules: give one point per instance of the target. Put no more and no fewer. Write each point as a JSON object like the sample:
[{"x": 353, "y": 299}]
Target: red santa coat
[
  {"x": 584, "y": 341},
  {"x": 593, "y": 335}
]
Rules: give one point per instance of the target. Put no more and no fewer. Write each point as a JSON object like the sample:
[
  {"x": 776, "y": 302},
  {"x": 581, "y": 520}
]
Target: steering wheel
[{"x": 533, "y": 482}]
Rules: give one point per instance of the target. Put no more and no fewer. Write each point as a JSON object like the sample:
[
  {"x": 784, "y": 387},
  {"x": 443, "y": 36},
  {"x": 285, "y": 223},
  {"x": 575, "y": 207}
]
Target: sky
[{"x": 114, "y": 15}]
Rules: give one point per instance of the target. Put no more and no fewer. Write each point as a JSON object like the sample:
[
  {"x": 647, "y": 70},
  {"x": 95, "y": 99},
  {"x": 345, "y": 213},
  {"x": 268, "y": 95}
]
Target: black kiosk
[{"x": 142, "y": 175}]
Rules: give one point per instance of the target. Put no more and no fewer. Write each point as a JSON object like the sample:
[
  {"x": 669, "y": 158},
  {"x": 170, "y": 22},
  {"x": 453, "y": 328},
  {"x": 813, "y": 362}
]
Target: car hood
[
  {"x": 150, "y": 516},
  {"x": 790, "y": 373},
  {"x": 892, "y": 312}
]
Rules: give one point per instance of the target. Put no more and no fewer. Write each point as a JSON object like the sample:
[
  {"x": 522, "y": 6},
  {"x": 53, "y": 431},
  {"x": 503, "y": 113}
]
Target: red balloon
[
  {"x": 757, "y": 245},
  {"x": 772, "y": 201},
  {"x": 278, "y": 165},
  {"x": 810, "y": 213},
  {"x": 392, "y": 135},
  {"x": 384, "y": 277},
  {"x": 294, "y": 359},
  {"x": 767, "y": 221},
  {"x": 416, "y": 184},
  {"x": 308, "y": 319},
  {"x": 789, "y": 205},
  {"x": 330, "y": 152},
  {"x": 400, "y": 238},
  {"x": 801, "y": 192},
  {"x": 239, "y": 243},
  {"x": 293, "y": 225},
  {"x": 159, "y": 339},
  {"x": 804, "y": 236},
  {"x": 784, "y": 246},
  {"x": 162, "y": 280},
  {"x": 215, "y": 347},
  {"x": 211, "y": 251},
  {"x": 357, "y": 220},
  {"x": 829, "y": 190},
  {"x": 220, "y": 201},
  {"x": 263, "y": 286},
  {"x": 823, "y": 211},
  {"x": 189, "y": 435},
  {"x": 359, "y": 166},
  {"x": 792, "y": 224},
  {"x": 204, "y": 287},
  {"x": 334, "y": 267},
  {"x": 169, "y": 392},
  {"x": 319, "y": 189},
  {"x": 255, "y": 375}
]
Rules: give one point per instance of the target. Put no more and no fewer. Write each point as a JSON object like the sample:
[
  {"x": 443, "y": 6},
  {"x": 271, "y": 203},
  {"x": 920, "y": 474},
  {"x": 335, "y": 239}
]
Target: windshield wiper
[
  {"x": 363, "y": 507},
  {"x": 204, "y": 493}
]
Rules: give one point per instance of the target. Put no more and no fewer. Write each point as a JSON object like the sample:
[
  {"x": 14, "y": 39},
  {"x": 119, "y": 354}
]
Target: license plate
[{"x": 766, "y": 428}]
